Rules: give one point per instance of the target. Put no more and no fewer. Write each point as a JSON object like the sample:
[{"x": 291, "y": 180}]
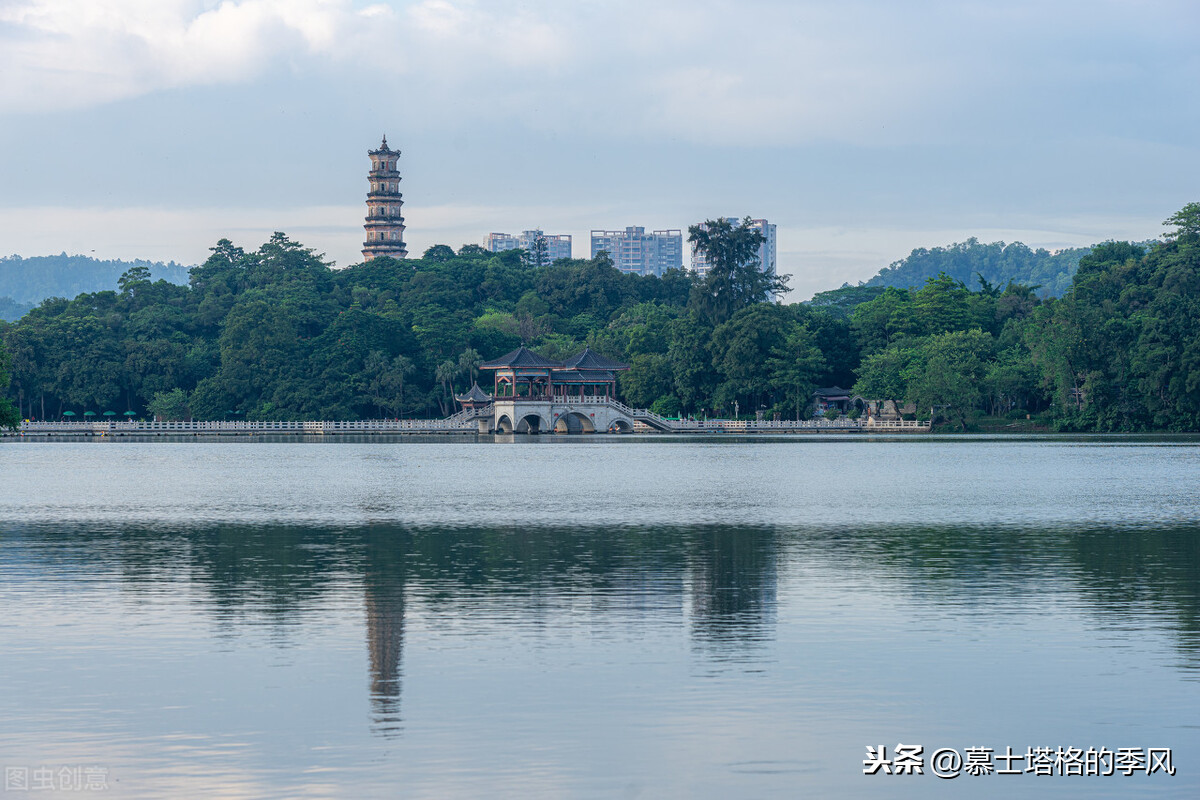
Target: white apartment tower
[
  {"x": 633, "y": 250},
  {"x": 557, "y": 245}
]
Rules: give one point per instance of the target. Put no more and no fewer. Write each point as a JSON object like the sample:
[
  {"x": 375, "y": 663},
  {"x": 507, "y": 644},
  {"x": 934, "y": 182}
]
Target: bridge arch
[
  {"x": 574, "y": 422},
  {"x": 620, "y": 425},
  {"x": 532, "y": 423},
  {"x": 504, "y": 424}
]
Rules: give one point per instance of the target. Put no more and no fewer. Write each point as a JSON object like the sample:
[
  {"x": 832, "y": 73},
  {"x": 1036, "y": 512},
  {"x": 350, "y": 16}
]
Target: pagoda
[{"x": 385, "y": 226}]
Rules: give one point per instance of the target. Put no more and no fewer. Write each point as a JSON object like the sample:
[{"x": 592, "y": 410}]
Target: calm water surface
[{"x": 596, "y": 617}]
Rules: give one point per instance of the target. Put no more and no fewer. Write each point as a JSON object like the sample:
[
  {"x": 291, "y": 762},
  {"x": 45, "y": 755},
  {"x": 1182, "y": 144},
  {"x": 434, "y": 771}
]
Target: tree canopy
[{"x": 276, "y": 333}]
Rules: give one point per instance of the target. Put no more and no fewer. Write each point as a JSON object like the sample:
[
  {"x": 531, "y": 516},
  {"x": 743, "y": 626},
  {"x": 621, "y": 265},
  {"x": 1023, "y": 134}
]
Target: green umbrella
[
  {"x": 110, "y": 413},
  {"x": 89, "y": 413},
  {"x": 131, "y": 413},
  {"x": 68, "y": 413}
]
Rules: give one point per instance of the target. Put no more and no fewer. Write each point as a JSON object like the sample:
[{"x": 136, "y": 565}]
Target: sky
[{"x": 861, "y": 128}]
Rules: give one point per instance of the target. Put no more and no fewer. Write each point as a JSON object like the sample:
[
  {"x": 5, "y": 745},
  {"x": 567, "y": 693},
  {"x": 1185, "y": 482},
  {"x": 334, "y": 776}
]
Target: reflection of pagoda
[{"x": 385, "y": 645}]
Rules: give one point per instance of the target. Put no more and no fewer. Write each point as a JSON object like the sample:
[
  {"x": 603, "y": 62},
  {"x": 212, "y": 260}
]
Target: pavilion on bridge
[{"x": 524, "y": 375}]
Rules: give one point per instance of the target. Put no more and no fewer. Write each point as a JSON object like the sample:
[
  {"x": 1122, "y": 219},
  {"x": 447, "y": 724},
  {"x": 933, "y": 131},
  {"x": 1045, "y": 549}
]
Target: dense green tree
[
  {"x": 276, "y": 333},
  {"x": 439, "y": 253},
  {"x": 1186, "y": 223},
  {"x": 169, "y": 406},
  {"x": 882, "y": 374},
  {"x": 691, "y": 362},
  {"x": 947, "y": 372},
  {"x": 735, "y": 279},
  {"x": 10, "y": 417},
  {"x": 942, "y": 305},
  {"x": 538, "y": 254},
  {"x": 746, "y": 350},
  {"x": 796, "y": 366},
  {"x": 884, "y": 320}
]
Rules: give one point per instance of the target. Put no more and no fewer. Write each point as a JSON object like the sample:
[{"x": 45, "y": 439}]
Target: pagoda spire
[{"x": 384, "y": 225}]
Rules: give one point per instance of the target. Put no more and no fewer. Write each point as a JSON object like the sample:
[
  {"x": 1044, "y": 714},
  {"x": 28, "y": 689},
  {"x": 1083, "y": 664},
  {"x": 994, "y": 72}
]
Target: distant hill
[
  {"x": 11, "y": 310},
  {"x": 842, "y": 302},
  {"x": 29, "y": 281},
  {"x": 997, "y": 262}
]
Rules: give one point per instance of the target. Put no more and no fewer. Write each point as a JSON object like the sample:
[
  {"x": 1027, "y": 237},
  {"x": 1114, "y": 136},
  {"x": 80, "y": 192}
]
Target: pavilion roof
[
  {"x": 521, "y": 357},
  {"x": 832, "y": 391},
  {"x": 474, "y": 395},
  {"x": 589, "y": 360}
]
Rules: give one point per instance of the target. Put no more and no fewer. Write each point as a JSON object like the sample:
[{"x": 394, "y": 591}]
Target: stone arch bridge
[{"x": 574, "y": 415}]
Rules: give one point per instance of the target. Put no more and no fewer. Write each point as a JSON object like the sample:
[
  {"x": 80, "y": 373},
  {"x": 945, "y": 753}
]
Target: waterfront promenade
[{"x": 458, "y": 424}]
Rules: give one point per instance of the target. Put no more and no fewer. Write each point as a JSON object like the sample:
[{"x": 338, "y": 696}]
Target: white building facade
[
  {"x": 635, "y": 251},
  {"x": 557, "y": 245}
]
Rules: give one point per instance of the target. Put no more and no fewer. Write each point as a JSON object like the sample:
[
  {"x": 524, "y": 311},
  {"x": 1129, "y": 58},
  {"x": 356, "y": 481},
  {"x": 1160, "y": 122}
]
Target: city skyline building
[
  {"x": 635, "y": 251},
  {"x": 384, "y": 225},
  {"x": 557, "y": 245},
  {"x": 766, "y": 251}
]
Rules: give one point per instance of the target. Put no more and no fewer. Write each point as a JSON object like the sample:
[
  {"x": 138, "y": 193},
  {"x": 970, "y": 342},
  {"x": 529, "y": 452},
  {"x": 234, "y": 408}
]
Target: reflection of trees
[
  {"x": 734, "y": 575},
  {"x": 1115, "y": 571},
  {"x": 1158, "y": 568},
  {"x": 728, "y": 575}
]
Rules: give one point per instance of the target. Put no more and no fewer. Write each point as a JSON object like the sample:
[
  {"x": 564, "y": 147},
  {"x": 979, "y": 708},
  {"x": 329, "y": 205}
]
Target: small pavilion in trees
[
  {"x": 474, "y": 399},
  {"x": 523, "y": 374}
]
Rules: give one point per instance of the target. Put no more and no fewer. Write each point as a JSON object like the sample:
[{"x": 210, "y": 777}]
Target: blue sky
[{"x": 151, "y": 128}]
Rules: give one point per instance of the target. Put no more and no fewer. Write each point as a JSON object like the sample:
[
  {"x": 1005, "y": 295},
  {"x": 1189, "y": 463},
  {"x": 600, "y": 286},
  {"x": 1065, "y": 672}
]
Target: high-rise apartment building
[
  {"x": 766, "y": 251},
  {"x": 634, "y": 250},
  {"x": 557, "y": 245},
  {"x": 384, "y": 226}
]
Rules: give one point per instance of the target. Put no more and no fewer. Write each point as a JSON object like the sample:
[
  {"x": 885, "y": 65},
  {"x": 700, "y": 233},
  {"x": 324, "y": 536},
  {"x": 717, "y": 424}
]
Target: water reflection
[
  {"x": 734, "y": 578},
  {"x": 720, "y": 584},
  {"x": 383, "y": 588}
]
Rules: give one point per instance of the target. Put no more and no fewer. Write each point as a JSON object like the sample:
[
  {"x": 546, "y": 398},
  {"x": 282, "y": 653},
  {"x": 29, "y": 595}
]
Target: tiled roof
[
  {"x": 474, "y": 395},
  {"x": 589, "y": 360},
  {"x": 521, "y": 357}
]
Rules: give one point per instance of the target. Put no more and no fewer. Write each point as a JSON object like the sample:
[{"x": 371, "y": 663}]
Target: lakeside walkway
[{"x": 644, "y": 422}]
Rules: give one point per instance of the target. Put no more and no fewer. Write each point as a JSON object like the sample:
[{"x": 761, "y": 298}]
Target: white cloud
[
  {"x": 748, "y": 73},
  {"x": 76, "y": 53}
]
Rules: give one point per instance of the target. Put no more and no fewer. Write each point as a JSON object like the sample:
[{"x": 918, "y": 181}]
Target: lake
[{"x": 630, "y": 617}]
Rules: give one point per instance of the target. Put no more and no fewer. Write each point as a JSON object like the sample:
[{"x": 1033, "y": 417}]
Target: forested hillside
[
  {"x": 998, "y": 263},
  {"x": 276, "y": 334},
  {"x": 32, "y": 280},
  {"x": 11, "y": 310}
]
